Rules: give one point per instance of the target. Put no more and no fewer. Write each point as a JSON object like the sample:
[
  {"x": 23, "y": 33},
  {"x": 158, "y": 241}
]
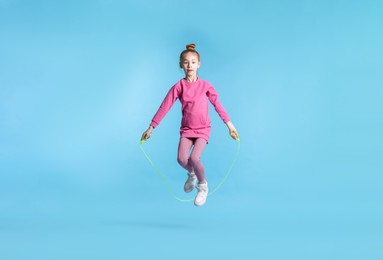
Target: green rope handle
[{"x": 168, "y": 186}]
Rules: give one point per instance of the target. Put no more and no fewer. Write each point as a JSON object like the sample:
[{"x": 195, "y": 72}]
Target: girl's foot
[
  {"x": 190, "y": 182},
  {"x": 203, "y": 190}
]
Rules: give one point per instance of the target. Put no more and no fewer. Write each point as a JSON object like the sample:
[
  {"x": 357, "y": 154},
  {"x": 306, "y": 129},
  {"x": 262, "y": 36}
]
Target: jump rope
[{"x": 174, "y": 195}]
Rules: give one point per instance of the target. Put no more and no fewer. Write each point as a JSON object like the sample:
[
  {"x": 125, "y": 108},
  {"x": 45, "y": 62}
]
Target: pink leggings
[{"x": 192, "y": 163}]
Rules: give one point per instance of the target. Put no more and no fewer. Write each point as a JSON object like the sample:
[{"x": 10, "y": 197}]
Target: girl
[{"x": 193, "y": 93}]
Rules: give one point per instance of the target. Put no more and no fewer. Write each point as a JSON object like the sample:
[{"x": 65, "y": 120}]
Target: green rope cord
[{"x": 168, "y": 186}]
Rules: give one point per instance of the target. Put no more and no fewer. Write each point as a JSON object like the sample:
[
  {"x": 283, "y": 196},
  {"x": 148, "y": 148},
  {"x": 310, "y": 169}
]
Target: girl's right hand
[{"x": 147, "y": 133}]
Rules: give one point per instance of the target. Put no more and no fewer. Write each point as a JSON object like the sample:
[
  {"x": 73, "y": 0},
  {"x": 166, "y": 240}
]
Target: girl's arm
[
  {"x": 213, "y": 97},
  {"x": 166, "y": 104}
]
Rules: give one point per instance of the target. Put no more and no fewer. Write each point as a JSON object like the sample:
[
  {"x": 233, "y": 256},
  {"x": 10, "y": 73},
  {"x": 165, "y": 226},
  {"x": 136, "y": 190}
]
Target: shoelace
[
  {"x": 202, "y": 189},
  {"x": 191, "y": 177},
  {"x": 168, "y": 186}
]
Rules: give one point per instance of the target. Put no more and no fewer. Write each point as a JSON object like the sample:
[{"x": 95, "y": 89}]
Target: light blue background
[{"x": 301, "y": 80}]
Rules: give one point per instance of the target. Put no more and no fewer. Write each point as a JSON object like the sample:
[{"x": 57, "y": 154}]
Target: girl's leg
[
  {"x": 183, "y": 153},
  {"x": 194, "y": 160}
]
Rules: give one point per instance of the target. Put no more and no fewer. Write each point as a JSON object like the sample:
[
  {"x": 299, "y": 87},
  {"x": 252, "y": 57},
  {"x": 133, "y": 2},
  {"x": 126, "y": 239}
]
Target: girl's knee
[
  {"x": 194, "y": 160},
  {"x": 182, "y": 161}
]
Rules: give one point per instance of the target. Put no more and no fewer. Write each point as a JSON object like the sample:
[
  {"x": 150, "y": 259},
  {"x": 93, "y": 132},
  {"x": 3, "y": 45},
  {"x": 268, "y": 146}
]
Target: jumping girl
[{"x": 193, "y": 94}]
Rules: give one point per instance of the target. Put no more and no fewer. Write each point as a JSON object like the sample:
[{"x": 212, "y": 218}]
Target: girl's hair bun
[{"x": 190, "y": 47}]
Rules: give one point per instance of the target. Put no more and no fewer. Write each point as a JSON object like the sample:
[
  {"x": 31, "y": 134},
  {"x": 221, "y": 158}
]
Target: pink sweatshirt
[{"x": 195, "y": 108}]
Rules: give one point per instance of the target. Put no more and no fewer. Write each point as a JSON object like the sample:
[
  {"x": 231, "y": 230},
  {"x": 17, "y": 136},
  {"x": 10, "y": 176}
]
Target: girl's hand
[
  {"x": 232, "y": 130},
  {"x": 147, "y": 133},
  {"x": 234, "y": 134}
]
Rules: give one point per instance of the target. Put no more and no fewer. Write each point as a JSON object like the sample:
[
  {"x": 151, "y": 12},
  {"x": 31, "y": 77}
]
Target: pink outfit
[{"x": 195, "y": 108}]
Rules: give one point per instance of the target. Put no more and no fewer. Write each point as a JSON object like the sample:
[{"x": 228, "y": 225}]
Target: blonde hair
[{"x": 189, "y": 48}]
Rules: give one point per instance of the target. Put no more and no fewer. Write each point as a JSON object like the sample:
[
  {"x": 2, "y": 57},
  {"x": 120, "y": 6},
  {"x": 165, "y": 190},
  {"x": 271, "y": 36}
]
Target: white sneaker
[
  {"x": 190, "y": 182},
  {"x": 200, "y": 199}
]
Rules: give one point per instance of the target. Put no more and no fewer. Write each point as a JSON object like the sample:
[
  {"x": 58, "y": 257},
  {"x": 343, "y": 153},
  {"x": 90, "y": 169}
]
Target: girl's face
[{"x": 190, "y": 64}]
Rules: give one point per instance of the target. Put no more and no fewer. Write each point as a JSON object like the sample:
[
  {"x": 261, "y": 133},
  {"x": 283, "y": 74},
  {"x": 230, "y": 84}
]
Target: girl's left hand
[
  {"x": 234, "y": 134},
  {"x": 232, "y": 130}
]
